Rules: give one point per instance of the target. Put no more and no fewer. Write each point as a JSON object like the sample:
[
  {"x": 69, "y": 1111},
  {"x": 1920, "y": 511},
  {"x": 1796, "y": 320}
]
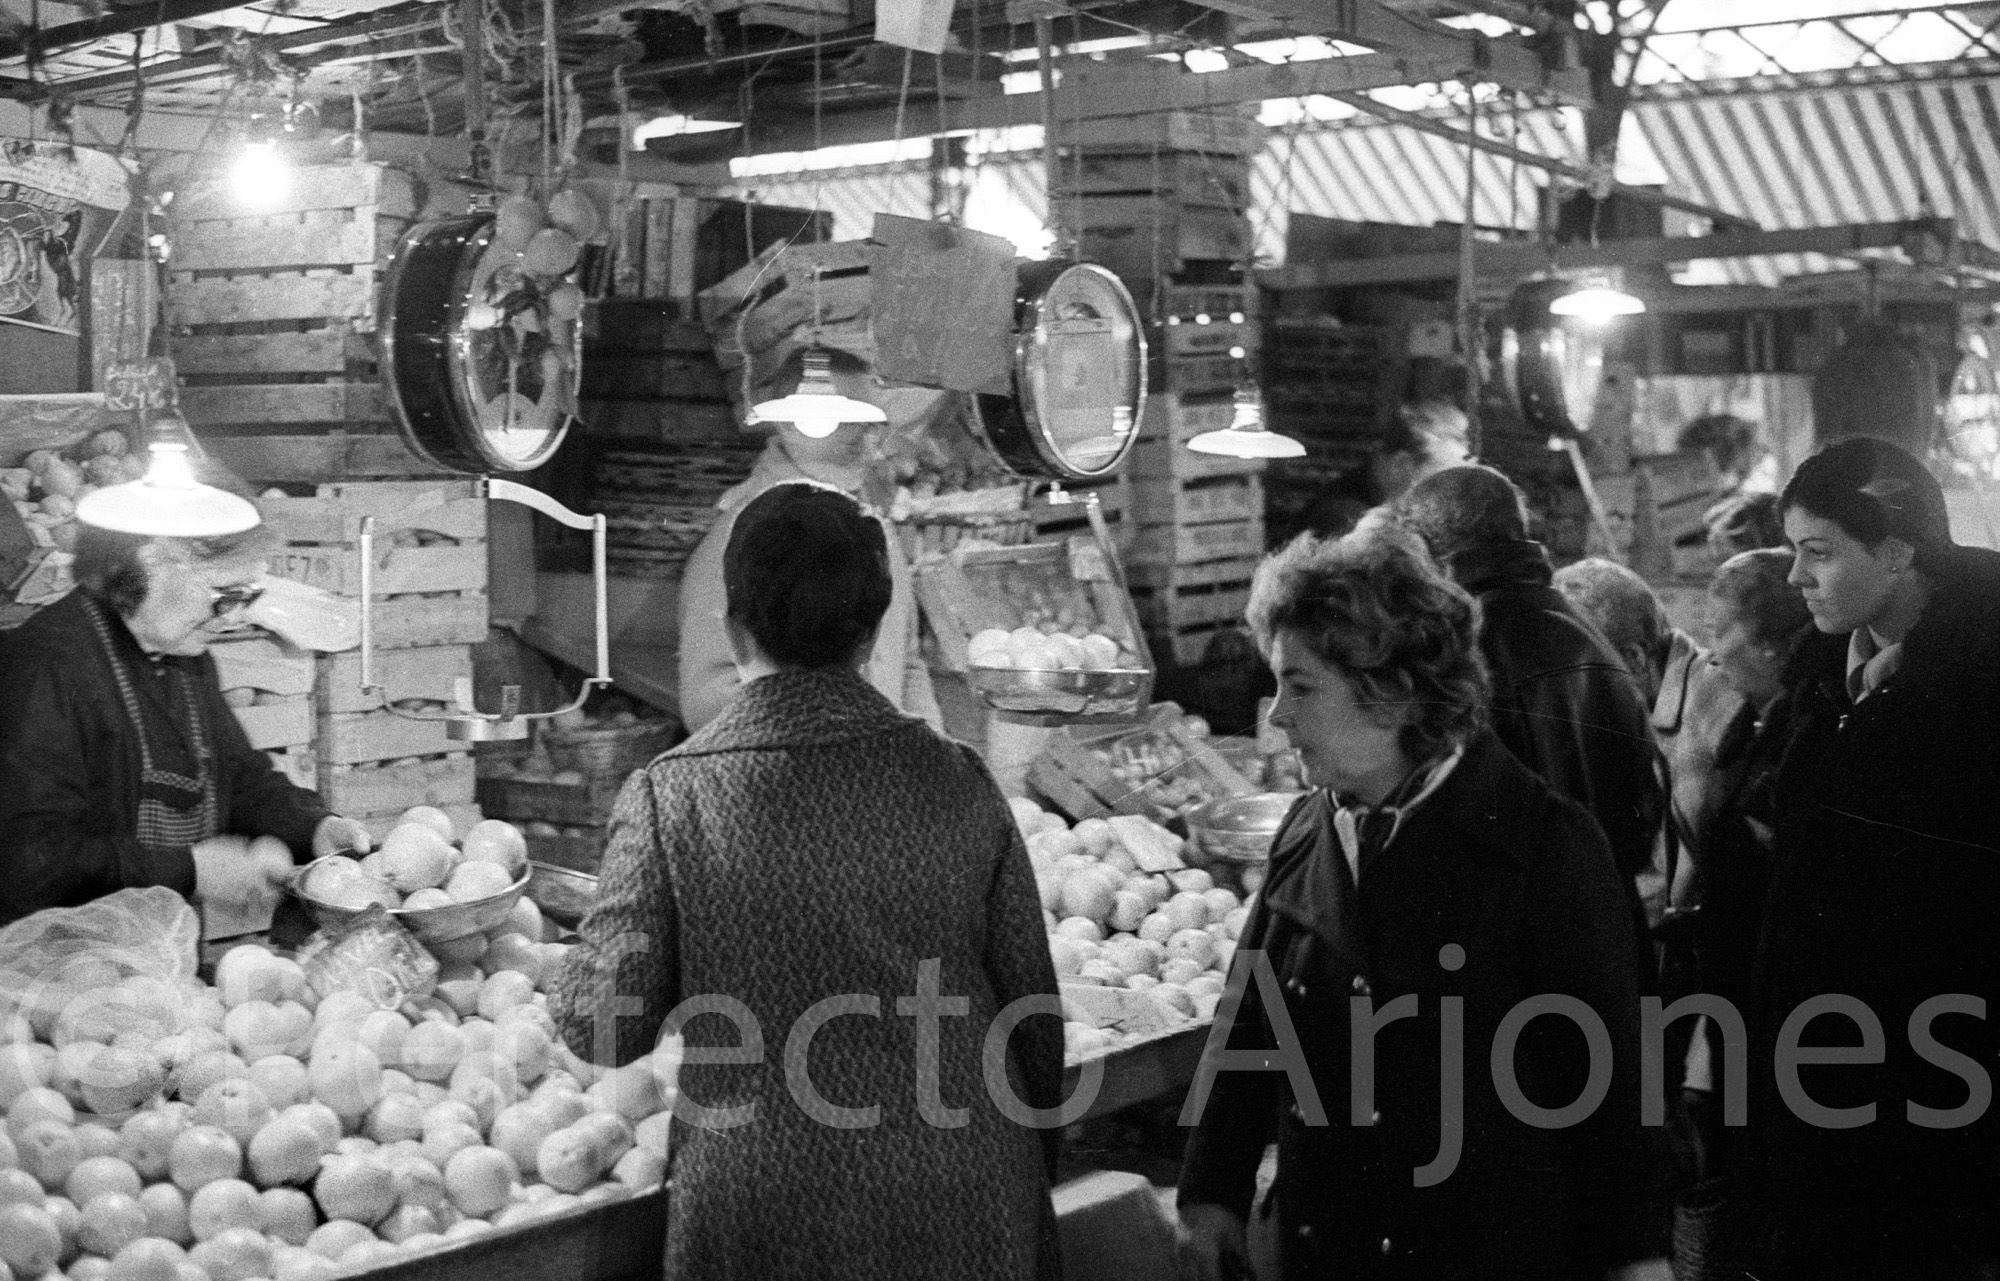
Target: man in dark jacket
[{"x": 1563, "y": 701}]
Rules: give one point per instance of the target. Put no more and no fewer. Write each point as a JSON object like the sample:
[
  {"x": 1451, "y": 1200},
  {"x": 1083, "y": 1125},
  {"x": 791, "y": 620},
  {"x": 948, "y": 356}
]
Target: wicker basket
[{"x": 611, "y": 752}]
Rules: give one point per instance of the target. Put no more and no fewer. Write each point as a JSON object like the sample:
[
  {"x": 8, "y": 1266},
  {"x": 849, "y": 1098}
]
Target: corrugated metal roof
[{"x": 1793, "y": 157}]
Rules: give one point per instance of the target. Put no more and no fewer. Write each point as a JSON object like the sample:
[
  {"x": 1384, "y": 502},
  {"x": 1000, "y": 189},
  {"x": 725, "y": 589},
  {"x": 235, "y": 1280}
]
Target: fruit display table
[
  {"x": 1156, "y": 1067},
  {"x": 607, "y": 1241}
]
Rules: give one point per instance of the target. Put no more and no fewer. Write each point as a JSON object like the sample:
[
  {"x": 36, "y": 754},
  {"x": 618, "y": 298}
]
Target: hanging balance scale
[
  {"x": 1079, "y": 390},
  {"x": 1554, "y": 367},
  {"x": 481, "y": 359}
]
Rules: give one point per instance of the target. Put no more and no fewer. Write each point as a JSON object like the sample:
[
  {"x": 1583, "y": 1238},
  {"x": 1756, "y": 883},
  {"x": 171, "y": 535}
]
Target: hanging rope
[{"x": 1468, "y": 281}]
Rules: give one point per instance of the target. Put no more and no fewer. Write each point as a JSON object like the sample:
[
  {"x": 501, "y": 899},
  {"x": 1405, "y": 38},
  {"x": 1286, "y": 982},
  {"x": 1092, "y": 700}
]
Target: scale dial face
[
  {"x": 1554, "y": 364},
  {"x": 516, "y": 364},
  {"x": 482, "y": 362},
  {"x": 1079, "y": 375}
]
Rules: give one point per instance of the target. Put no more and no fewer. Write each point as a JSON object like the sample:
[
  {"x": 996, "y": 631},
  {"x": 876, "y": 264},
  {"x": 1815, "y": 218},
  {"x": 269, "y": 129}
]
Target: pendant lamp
[
  {"x": 816, "y": 406},
  {"x": 168, "y": 502},
  {"x": 1597, "y": 301},
  {"x": 1247, "y": 436}
]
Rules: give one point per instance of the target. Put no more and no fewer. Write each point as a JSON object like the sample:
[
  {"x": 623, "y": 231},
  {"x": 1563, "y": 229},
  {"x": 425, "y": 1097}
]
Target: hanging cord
[
  {"x": 1468, "y": 283},
  {"x": 902, "y": 105}
]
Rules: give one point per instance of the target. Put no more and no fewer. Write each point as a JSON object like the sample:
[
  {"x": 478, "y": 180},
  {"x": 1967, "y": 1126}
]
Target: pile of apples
[
  {"x": 46, "y": 487},
  {"x": 173, "y": 1131},
  {"x": 421, "y": 863},
  {"x": 1170, "y": 934},
  {"x": 1050, "y": 648}
]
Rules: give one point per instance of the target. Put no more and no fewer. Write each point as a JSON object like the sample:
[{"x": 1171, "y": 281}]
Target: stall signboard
[
  {"x": 57, "y": 205},
  {"x": 943, "y": 310},
  {"x": 140, "y": 384}
]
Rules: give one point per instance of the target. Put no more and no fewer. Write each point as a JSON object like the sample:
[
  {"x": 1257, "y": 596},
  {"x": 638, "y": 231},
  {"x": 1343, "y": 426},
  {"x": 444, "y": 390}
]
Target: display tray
[
  {"x": 1067, "y": 692},
  {"x": 1139, "y": 1071},
  {"x": 608, "y": 1241}
]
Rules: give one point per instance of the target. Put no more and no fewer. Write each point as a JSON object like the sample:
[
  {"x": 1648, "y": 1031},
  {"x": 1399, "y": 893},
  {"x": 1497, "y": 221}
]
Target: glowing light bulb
[
  {"x": 260, "y": 176},
  {"x": 1596, "y": 304}
]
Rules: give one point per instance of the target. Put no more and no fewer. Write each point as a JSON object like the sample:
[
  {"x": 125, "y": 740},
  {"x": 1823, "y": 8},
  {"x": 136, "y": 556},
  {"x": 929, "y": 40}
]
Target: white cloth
[{"x": 1869, "y": 663}]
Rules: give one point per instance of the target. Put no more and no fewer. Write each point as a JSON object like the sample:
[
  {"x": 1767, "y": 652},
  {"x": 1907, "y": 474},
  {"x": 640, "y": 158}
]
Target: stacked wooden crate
[
  {"x": 272, "y": 315},
  {"x": 429, "y": 590},
  {"x": 659, "y": 443},
  {"x": 1162, "y": 201},
  {"x": 269, "y": 686}
]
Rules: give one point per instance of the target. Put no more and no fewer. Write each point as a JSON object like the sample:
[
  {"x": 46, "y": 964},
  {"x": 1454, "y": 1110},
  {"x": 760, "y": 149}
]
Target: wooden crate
[
  {"x": 537, "y": 800},
  {"x": 430, "y": 554},
  {"x": 1193, "y": 544},
  {"x": 1194, "y": 502},
  {"x": 1209, "y": 375},
  {"x": 1217, "y": 302},
  {"x": 1224, "y": 131},
  {"x": 355, "y": 738},
  {"x": 1195, "y": 596},
  {"x": 380, "y": 788},
  {"x": 428, "y": 672},
  {"x": 1185, "y": 177},
  {"x": 1145, "y": 238},
  {"x": 1217, "y": 336},
  {"x": 277, "y": 721},
  {"x": 275, "y": 310},
  {"x": 463, "y": 815},
  {"x": 278, "y": 678}
]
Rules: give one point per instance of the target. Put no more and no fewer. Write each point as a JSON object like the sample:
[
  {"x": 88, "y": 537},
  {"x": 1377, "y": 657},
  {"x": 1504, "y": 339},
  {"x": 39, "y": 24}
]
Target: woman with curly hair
[{"x": 1435, "y": 1006}]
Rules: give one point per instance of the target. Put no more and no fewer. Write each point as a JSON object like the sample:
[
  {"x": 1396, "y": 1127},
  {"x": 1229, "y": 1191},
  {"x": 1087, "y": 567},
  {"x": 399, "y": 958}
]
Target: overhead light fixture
[
  {"x": 1247, "y": 436},
  {"x": 260, "y": 176},
  {"x": 168, "y": 502},
  {"x": 677, "y": 126},
  {"x": 816, "y": 406},
  {"x": 1597, "y": 302}
]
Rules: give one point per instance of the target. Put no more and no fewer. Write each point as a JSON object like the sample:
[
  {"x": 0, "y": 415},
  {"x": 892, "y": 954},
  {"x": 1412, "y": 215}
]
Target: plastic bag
[
  {"x": 307, "y": 616},
  {"x": 373, "y": 956},
  {"x": 112, "y": 986}
]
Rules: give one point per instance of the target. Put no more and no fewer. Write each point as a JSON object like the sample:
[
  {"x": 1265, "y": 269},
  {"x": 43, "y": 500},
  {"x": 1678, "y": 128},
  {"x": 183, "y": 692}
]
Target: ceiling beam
[
  {"x": 1104, "y": 91},
  {"x": 1520, "y": 260},
  {"x": 1508, "y": 61},
  {"x": 1561, "y": 168}
]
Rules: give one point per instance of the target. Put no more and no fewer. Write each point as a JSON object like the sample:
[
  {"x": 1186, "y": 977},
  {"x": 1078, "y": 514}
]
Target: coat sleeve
[
  {"x": 1017, "y": 963},
  {"x": 1578, "y": 941},
  {"x": 708, "y": 673},
  {"x": 1227, "y": 1143},
  {"x": 57, "y": 851},
  {"x": 622, "y": 977},
  {"x": 262, "y": 802}
]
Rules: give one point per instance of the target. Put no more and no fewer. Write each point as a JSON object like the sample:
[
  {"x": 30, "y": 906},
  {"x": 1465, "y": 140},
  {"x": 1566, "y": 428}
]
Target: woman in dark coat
[
  {"x": 120, "y": 765},
  {"x": 836, "y": 872},
  {"x": 1431, "y": 884},
  {"x": 1886, "y": 876}
]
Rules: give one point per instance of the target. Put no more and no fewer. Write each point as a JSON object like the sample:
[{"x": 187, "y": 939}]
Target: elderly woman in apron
[{"x": 120, "y": 764}]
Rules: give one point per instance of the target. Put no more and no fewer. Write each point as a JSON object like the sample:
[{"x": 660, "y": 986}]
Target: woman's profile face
[
  {"x": 1343, "y": 743},
  {"x": 177, "y": 615},
  {"x": 1846, "y": 584}
]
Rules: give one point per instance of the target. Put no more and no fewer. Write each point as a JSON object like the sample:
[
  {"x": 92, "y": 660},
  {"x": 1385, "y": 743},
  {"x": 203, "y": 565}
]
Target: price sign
[
  {"x": 140, "y": 384},
  {"x": 943, "y": 310}
]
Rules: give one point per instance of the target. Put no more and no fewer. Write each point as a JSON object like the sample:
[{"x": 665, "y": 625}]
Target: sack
[{"x": 1707, "y": 1244}]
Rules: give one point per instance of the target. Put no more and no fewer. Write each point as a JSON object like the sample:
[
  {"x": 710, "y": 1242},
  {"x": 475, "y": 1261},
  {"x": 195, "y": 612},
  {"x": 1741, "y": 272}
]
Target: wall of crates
[
  {"x": 272, "y": 320},
  {"x": 1162, "y": 201}
]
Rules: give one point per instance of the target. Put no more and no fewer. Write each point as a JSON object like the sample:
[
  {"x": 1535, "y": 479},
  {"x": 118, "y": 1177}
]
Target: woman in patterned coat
[{"x": 837, "y": 901}]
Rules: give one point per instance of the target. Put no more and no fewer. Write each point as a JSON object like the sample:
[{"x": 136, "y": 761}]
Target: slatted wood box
[{"x": 276, "y": 311}]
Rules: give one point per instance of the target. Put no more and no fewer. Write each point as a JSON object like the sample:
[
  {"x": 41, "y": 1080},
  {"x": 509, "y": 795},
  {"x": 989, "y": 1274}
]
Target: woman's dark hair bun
[{"x": 806, "y": 572}]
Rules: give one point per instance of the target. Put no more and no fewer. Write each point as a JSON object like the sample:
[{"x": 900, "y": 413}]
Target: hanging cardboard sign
[
  {"x": 943, "y": 311},
  {"x": 57, "y": 204},
  {"x": 923, "y": 25},
  {"x": 140, "y": 384}
]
